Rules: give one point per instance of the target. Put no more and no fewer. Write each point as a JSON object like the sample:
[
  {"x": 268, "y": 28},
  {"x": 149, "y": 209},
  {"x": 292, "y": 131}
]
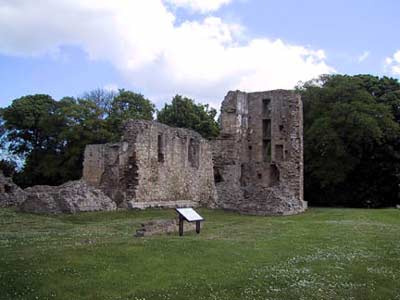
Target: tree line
[{"x": 351, "y": 135}]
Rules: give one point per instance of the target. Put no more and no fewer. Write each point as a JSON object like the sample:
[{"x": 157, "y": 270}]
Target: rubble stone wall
[
  {"x": 70, "y": 197},
  {"x": 153, "y": 163},
  {"x": 258, "y": 157}
]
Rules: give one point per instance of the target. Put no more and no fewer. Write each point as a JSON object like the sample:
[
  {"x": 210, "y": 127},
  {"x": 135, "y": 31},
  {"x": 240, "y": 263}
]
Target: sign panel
[{"x": 189, "y": 214}]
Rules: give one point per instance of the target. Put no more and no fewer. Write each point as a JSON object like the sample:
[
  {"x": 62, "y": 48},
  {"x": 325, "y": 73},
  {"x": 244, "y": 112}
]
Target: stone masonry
[
  {"x": 255, "y": 166},
  {"x": 10, "y": 194},
  {"x": 258, "y": 157},
  {"x": 153, "y": 165},
  {"x": 70, "y": 197}
]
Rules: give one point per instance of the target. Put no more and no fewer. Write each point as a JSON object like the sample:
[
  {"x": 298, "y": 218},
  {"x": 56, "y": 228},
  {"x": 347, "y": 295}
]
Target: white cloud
[
  {"x": 363, "y": 56},
  {"x": 393, "y": 63},
  {"x": 202, "y": 59},
  {"x": 202, "y": 6}
]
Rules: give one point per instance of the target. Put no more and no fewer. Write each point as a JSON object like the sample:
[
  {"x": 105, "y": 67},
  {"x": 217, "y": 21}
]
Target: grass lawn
[{"x": 322, "y": 254}]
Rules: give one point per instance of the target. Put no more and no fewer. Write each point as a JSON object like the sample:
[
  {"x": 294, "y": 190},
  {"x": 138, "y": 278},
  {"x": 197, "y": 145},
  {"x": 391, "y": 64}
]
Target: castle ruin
[
  {"x": 258, "y": 157},
  {"x": 255, "y": 166},
  {"x": 154, "y": 165}
]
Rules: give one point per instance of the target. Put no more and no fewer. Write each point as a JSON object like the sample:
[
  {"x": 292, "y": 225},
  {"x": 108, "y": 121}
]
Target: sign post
[{"x": 190, "y": 215}]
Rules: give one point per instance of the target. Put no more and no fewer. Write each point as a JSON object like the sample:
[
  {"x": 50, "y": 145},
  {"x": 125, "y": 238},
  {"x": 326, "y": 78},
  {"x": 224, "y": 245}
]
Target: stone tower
[{"x": 258, "y": 157}]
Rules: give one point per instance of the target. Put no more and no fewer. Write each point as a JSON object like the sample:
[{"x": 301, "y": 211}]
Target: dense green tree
[
  {"x": 51, "y": 135},
  {"x": 351, "y": 137},
  {"x": 129, "y": 105},
  {"x": 32, "y": 125},
  {"x": 84, "y": 124},
  {"x": 29, "y": 123},
  {"x": 184, "y": 112}
]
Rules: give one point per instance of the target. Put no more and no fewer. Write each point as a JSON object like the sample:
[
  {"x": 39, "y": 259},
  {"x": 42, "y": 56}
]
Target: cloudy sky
[{"x": 198, "y": 48}]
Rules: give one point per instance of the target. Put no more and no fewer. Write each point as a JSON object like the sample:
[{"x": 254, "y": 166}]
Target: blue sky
[{"x": 199, "y": 48}]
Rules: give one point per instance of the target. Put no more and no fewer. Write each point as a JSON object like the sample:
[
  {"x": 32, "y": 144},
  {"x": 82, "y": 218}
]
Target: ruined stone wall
[
  {"x": 255, "y": 166},
  {"x": 258, "y": 157},
  {"x": 153, "y": 165}
]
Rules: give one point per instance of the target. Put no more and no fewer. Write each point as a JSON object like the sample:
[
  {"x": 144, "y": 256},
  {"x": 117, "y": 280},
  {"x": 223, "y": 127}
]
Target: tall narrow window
[
  {"x": 217, "y": 175},
  {"x": 267, "y": 150},
  {"x": 160, "y": 148},
  {"x": 274, "y": 175},
  {"x": 267, "y": 129},
  {"x": 267, "y": 135},
  {"x": 266, "y": 110},
  {"x": 242, "y": 175},
  {"x": 193, "y": 153}
]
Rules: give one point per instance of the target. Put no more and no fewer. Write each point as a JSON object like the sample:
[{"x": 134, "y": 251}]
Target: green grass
[{"x": 322, "y": 254}]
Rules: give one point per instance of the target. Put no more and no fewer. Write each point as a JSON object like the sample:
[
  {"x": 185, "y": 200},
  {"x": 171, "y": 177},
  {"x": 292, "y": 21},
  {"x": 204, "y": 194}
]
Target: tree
[
  {"x": 29, "y": 122},
  {"x": 129, "y": 105},
  {"x": 102, "y": 99},
  {"x": 184, "y": 112},
  {"x": 83, "y": 125},
  {"x": 351, "y": 138},
  {"x": 32, "y": 125}
]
